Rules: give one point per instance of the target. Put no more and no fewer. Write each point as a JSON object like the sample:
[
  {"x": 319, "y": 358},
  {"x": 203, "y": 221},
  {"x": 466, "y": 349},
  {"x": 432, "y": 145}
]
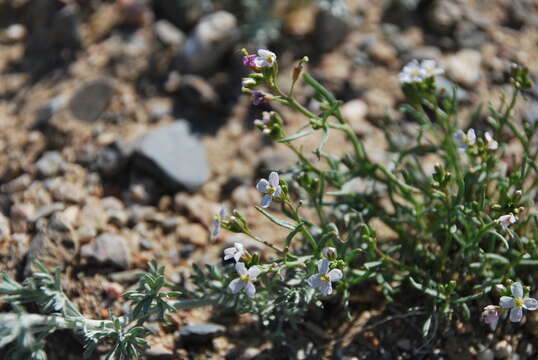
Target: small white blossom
[
  {"x": 416, "y": 71},
  {"x": 245, "y": 279},
  {"x": 270, "y": 188},
  {"x": 411, "y": 73},
  {"x": 463, "y": 141},
  {"x": 491, "y": 144},
  {"x": 507, "y": 220},
  {"x": 324, "y": 278},
  {"x": 430, "y": 68},
  {"x": 235, "y": 252},
  {"x": 217, "y": 222},
  {"x": 517, "y": 303},
  {"x": 265, "y": 58},
  {"x": 490, "y": 316}
]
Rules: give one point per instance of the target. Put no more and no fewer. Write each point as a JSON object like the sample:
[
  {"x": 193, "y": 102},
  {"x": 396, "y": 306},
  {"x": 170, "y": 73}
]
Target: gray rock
[
  {"x": 91, "y": 100},
  {"x": 215, "y": 34},
  {"x": 443, "y": 83},
  {"x": 464, "y": 67},
  {"x": 168, "y": 33},
  {"x": 55, "y": 244},
  {"x": 46, "y": 210},
  {"x": 468, "y": 35},
  {"x": 200, "y": 333},
  {"x": 108, "y": 249},
  {"x": 530, "y": 114},
  {"x": 18, "y": 184},
  {"x": 443, "y": 16},
  {"x": 112, "y": 159},
  {"x": 173, "y": 156},
  {"x": 331, "y": 30},
  {"x": 50, "y": 164}
]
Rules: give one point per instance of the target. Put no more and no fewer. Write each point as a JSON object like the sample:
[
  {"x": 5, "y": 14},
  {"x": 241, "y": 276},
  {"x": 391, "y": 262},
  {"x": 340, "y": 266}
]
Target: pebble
[
  {"x": 168, "y": 33},
  {"x": 487, "y": 354},
  {"x": 50, "y": 164},
  {"x": 331, "y": 30},
  {"x": 503, "y": 350},
  {"x": 91, "y": 99},
  {"x": 173, "y": 156},
  {"x": 5, "y": 230},
  {"x": 194, "y": 234},
  {"x": 200, "y": 333},
  {"x": 18, "y": 184},
  {"x": 48, "y": 110},
  {"x": 443, "y": 16},
  {"x": 464, "y": 67},
  {"x": 16, "y": 32},
  {"x": 213, "y": 36},
  {"x": 108, "y": 249}
]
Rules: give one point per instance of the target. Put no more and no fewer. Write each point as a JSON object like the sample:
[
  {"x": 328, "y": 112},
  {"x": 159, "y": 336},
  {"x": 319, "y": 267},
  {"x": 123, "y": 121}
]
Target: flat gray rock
[
  {"x": 91, "y": 100},
  {"x": 173, "y": 156},
  {"x": 108, "y": 249}
]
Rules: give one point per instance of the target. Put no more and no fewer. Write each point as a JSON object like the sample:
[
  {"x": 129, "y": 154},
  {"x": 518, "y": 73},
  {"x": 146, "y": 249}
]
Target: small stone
[
  {"x": 214, "y": 35},
  {"x": 379, "y": 102},
  {"x": 173, "y": 156},
  {"x": 464, "y": 67},
  {"x": 159, "y": 352},
  {"x": 331, "y": 30},
  {"x": 50, "y": 164},
  {"x": 16, "y": 32},
  {"x": 194, "y": 234},
  {"x": 113, "y": 290},
  {"x": 159, "y": 107},
  {"x": 503, "y": 350},
  {"x": 443, "y": 16},
  {"x": 55, "y": 244},
  {"x": 448, "y": 86},
  {"x": 469, "y": 35},
  {"x": 383, "y": 52},
  {"x": 18, "y": 184},
  {"x": 21, "y": 215},
  {"x": 46, "y": 210},
  {"x": 91, "y": 100},
  {"x": 168, "y": 33},
  {"x": 200, "y": 333},
  {"x": 108, "y": 249},
  {"x": 49, "y": 109},
  {"x": 5, "y": 231},
  {"x": 487, "y": 354}
]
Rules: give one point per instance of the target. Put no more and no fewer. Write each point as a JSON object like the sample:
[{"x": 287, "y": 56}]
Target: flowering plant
[{"x": 460, "y": 231}]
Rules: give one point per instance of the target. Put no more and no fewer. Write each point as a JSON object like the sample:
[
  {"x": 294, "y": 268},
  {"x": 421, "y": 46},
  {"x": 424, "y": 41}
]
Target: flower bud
[{"x": 330, "y": 253}]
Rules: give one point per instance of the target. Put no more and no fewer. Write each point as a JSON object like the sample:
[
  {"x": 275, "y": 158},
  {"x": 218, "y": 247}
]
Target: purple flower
[
  {"x": 235, "y": 252},
  {"x": 249, "y": 60},
  {"x": 270, "y": 188},
  {"x": 490, "y": 316},
  {"x": 217, "y": 222},
  {"x": 245, "y": 279},
  {"x": 258, "y": 97},
  {"x": 324, "y": 278}
]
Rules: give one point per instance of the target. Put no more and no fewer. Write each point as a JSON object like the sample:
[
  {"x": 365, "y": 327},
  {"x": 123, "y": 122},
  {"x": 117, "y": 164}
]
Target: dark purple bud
[
  {"x": 257, "y": 97},
  {"x": 248, "y": 60}
]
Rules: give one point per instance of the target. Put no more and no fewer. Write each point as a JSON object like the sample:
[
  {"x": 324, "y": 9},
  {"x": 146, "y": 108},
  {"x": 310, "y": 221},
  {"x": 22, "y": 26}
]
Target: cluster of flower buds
[
  {"x": 465, "y": 141},
  {"x": 519, "y": 77},
  {"x": 271, "y": 124}
]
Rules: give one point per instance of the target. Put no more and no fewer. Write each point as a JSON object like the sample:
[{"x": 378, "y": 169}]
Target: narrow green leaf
[{"x": 276, "y": 220}]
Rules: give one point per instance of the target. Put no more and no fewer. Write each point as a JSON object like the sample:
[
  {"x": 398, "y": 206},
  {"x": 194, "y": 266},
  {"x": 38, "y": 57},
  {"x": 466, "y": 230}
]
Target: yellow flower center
[
  {"x": 325, "y": 277},
  {"x": 519, "y": 302},
  {"x": 244, "y": 278},
  {"x": 271, "y": 189}
]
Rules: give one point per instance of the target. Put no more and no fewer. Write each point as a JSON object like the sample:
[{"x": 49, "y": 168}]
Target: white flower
[
  {"x": 429, "y": 68},
  {"x": 411, "y": 73},
  {"x": 217, "y": 222},
  {"x": 270, "y": 188},
  {"x": 491, "y": 144},
  {"x": 465, "y": 140},
  {"x": 507, "y": 220},
  {"x": 517, "y": 303},
  {"x": 235, "y": 252},
  {"x": 415, "y": 71},
  {"x": 245, "y": 279},
  {"x": 324, "y": 278},
  {"x": 265, "y": 58}
]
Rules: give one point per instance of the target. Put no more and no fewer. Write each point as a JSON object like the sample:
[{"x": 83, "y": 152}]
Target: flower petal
[
  {"x": 216, "y": 228},
  {"x": 250, "y": 289},
  {"x": 326, "y": 288},
  {"x": 517, "y": 290},
  {"x": 273, "y": 178},
  {"x": 241, "y": 269},
  {"x": 253, "y": 272},
  {"x": 323, "y": 266},
  {"x": 471, "y": 137},
  {"x": 507, "y": 302},
  {"x": 335, "y": 275},
  {"x": 236, "y": 285},
  {"x": 516, "y": 314},
  {"x": 262, "y": 185},
  {"x": 314, "y": 281},
  {"x": 277, "y": 192},
  {"x": 238, "y": 255},
  {"x": 266, "y": 200},
  {"x": 530, "y": 304},
  {"x": 229, "y": 253}
]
